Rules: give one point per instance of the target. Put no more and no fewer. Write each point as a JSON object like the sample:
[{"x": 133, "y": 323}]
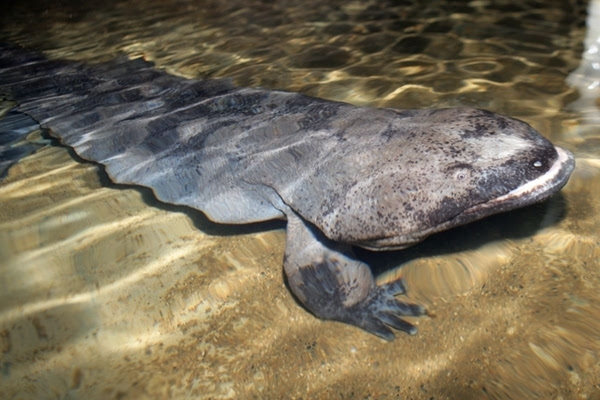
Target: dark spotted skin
[{"x": 341, "y": 175}]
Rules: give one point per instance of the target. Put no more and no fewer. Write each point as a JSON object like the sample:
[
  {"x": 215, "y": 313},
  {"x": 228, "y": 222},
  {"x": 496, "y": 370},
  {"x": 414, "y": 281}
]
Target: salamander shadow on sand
[{"x": 342, "y": 176}]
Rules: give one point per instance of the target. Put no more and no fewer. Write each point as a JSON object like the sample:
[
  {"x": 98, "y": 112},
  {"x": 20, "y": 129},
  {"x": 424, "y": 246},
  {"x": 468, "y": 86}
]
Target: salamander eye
[
  {"x": 461, "y": 174},
  {"x": 459, "y": 171}
]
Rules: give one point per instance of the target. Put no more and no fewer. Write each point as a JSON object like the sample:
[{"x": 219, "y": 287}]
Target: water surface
[{"x": 107, "y": 293}]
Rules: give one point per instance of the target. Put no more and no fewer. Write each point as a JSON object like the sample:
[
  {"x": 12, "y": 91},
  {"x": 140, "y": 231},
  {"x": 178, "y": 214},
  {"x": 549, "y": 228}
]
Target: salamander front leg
[{"x": 332, "y": 284}]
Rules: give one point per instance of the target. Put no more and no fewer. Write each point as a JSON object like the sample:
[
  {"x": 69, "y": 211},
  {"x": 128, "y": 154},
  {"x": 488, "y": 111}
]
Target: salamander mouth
[{"x": 532, "y": 192}]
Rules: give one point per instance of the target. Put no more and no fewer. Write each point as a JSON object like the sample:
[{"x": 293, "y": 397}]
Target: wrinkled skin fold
[{"x": 341, "y": 175}]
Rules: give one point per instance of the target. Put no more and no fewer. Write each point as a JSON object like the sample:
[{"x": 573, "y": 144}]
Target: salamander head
[{"x": 444, "y": 168}]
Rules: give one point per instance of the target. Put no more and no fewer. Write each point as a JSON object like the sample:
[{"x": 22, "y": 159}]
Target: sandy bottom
[{"x": 106, "y": 293}]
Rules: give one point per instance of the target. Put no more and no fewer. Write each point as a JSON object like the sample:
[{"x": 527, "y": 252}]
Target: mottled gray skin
[{"x": 341, "y": 175}]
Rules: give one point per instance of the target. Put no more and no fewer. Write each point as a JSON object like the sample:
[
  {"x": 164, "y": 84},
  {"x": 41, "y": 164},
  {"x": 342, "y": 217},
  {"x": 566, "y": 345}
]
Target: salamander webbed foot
[{"x": 331, "y": 283}]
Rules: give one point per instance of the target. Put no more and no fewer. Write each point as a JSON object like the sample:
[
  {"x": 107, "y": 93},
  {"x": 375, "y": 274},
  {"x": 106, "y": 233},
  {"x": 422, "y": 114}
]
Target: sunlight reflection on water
[{"x": 106, "y": 293}]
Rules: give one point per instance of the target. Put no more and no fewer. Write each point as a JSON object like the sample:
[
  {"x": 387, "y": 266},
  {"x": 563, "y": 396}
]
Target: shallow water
[{"x": 107, "y": 293}]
